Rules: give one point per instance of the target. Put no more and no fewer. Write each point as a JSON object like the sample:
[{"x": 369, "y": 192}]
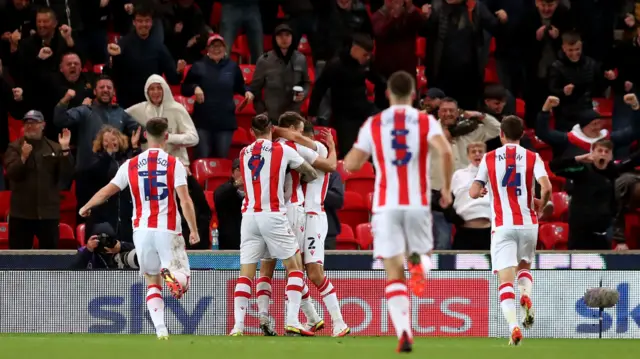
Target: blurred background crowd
[{"x": 80, "y": 78}]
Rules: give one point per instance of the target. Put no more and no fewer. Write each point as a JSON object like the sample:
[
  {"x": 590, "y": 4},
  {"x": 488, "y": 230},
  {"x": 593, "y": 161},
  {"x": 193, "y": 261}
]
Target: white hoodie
[{"x": 182, "y": 131}]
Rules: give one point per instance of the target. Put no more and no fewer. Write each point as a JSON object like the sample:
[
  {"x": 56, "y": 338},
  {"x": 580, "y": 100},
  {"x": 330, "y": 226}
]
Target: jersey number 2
[
  {"x": 512, "y": 179},
  {"x": 399, "y": 143},
  {"x": 151, "y": 183}
]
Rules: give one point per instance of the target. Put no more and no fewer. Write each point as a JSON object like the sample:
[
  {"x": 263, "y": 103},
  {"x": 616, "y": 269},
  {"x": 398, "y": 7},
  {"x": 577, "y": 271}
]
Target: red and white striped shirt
[
  {"x": 153, "y": 177},
  {"x": 263, "y": 165},
  {"x": 316, "y": 190},
  {"x": 293, "y": 193},
  {"x": 398, "y": 138},
  {"x": 509, "y": 172}
]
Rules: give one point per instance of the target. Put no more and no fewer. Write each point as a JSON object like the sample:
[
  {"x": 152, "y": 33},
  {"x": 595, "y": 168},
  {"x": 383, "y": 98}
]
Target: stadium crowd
[{"x": 79, "y": 80}]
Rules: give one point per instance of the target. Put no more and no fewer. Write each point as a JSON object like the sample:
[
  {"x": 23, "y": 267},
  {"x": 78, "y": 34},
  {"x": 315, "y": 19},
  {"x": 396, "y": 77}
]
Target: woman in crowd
[
  {"x": 214, "y": 80},
  {"x": 111, "y": 149},
  {"x": 160, "y": 103}
]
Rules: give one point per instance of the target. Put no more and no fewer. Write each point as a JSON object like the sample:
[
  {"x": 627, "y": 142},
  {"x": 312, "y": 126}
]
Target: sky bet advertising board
[{"x": 457, "y": 303}]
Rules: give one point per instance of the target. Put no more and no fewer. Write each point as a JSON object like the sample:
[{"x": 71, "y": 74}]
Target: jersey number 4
[
  {"x": 151, "y": 185},
  {"x": 399, "y": 143},
  {"x": 511, "y": 179}
]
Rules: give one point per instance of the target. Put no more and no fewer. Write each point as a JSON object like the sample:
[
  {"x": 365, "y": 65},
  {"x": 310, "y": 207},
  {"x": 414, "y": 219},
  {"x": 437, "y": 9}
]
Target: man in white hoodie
[{"x": 160, "y": 103}]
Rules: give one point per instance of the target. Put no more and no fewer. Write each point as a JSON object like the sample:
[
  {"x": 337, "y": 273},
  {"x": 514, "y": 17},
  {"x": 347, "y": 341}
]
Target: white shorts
[
  {"x": 401, "y": 231},
  {"x": 315, "y": 233},
  {"x": 509, "y": 246},
  {"x": 266, "y": 236},
  {"x": 297, "y": 219},
  {"x": 158, "y": 249}
]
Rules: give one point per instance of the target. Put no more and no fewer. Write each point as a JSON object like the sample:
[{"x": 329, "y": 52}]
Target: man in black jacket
[
  {"x": 593, "y": 202},
  {"x": 573, "y": 78},
  {"x": 333, "y": 201},
  {"x": 16, "y": 17},
  {"x": 228, "y": 201}
]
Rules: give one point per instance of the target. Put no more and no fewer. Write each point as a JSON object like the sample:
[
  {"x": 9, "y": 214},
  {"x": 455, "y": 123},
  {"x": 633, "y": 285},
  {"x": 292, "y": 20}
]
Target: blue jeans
[
  {"x": 247, "y": 17},
  {"x": 441, "y": 231},
  {"x": 213, "y": 144}
]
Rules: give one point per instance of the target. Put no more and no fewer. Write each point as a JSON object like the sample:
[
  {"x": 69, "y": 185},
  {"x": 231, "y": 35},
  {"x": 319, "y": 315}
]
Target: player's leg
[
  {"x": 174, "y": 261},
  {"x": 504, "y": 261},
  {"x": 419, "y": 234},
  {"x": 150, "y": 266},
  {"x": 315, "y": 234},
  {"x": 281, "y": 243},
  {"x": 526, "y": 252},
  {"x": 390, "y": 245},
  {"x": 252, "y": 248},
  {"x": 263, "y": 294}
]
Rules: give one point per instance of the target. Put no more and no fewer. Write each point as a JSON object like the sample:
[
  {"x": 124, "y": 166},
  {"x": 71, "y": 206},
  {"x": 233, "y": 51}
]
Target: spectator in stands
[
  {"x": 92, "y": 38},
  {"x": 88, "y": 119},
  {"x": 455, "y": 51},
  {"x": 626, "y": 59},
  {"x": 431, "y": 103},
  {"x": 110, "y": 150},
  {"x": 67, "y": 11},
  {"x": 37, "y": 55},
  {"x": 595, "y": 21},
  {"x": 333, "y": 201},
  {"x": 338, "y": 21},
  {"x": 588, "y": 130},
  {"x": 203, "y": 215},
  {"x": 243, "y": 14},
  {"x": 474, "y": 233},
  {"x": 497, "y": 105},
  {"x": 187, "y": 33},
  {"x": 228, "y": 202},
  {"x": 136, "y": 57},
  {"x": 160, "y": 103},
  {"x": 573, "y": 78},
  {"x": 11, "y": 102},
  {"x": 461, "y": 130},
  {"x": 35, "y": 165},
  {"x": 346, "y": 75},
  {"x": 593, "y": 201},
  {"x": 627, "y": 201},
  {"x": 18, "y": 20},
  {"x": 540, "y": 35},
  {"x": 395, "y": 28},
  {"x": 277, "y": 73},
  {"x": 214, "y": 80},
  {"x": 302, "y": 16}
]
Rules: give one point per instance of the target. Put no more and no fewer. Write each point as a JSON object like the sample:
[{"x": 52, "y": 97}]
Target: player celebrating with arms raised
[
  {"x": 509, "y": 172},
  {"x": 154, "y": 177},
  {"x": 263, "y": 165},
  {"x": 400, "y": 139}
]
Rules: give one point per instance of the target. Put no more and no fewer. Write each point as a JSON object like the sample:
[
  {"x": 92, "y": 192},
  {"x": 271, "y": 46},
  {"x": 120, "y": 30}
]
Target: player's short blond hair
[{"x": 476, "y": 144}]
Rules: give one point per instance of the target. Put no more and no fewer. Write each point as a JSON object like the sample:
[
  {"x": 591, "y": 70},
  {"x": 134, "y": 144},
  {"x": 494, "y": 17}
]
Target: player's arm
[
  {"x": 117, "y": 184},
  {"x": 298, "y": 164},
  {"x": 480, "y": 181},
  {"x": 294, "y": 136},
  {"x": 186, "y": 203},
  {"x": 540, "y": 172},
  {"x": 361, "y": 151},
  {"x": 328, "y": 164}
]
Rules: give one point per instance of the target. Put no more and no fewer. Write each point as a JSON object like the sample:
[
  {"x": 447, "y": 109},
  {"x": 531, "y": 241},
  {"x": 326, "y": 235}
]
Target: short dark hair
[
  {"x": 449, "y": 99},
  {"x": 102, "y": 77},
  {"x": 142, "y": 11},
  {"x": 363, "y": 40},
  {"x": 260, "y": 124},
  {"x": 571, "y": 37},
  {"x": 157, "y": 127},
  {"x": 512, "y": 127},
  {"x": 604, "y": 142},
  {"x": 401, "y": 84},
  {"x": 308, "y": 128},
  {"x": 289, "y": 119},
  {"x": 495, "y": 92},
  {"x": 46, "y": 10}
]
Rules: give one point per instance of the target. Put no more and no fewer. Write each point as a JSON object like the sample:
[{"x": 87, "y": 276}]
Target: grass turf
[{"x": 96, "y": 346}]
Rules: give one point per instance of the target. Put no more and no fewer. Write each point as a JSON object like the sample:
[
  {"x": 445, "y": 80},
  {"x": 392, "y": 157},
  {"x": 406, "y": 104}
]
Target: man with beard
[
  {"x": 593, "y": 202},
  {"x": 35, "y": 165},
  {"x": 286, "y": 68},
  {"x": 89, "y": 119}
]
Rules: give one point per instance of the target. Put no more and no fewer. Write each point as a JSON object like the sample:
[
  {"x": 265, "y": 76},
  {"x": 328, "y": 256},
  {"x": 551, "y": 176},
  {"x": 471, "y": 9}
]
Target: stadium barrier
[{"x": 457, "y": 303}]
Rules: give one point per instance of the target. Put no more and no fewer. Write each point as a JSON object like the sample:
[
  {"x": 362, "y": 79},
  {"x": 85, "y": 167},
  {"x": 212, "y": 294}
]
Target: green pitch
[{"x": 95, "y": 346}]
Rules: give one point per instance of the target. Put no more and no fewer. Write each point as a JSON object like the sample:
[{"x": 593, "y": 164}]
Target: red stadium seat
[
  {"x": 5, "y": 201},
  {"x": 362, "y": 182},
  {"x": 560, "y": 206},
  {"x": 370, "y": 89},
  {"x": 632, "y": 229},
  {"x": 304, "y": 46},
  {"x": 492, "y": 45},
  {"x": 421, "y": 48},
  {"x": 421, "y": 79},
  {"x": 364, "y": 235},
  {"x": 520, "y": 108},
  {"x": 216, "y": 14},
  {"x": 67, "y": 238},
  {"x": 354, "y": 210},
  {"x": 247, "y": 72},
  {"x": 97, "y": 69},
  {"x": 244, "y": 115},
  {"x": 205, "y": 168},
  {"x": 80, "y": 235},
  {"x": 209, "y": 196},
  {"x": 16, "y": 129},
  {"x": 239, "y": 141},
  {"x": 491, "y": 75},
  {"x": 603, "y": 106},
  {"x": 4, "y": 236},
  {"x": 240, "y": 49},
  {"x": 267, "y": 43},
  {"x": 554, "y": 235},
  {"x": 187, "y": 102},
  {"x": 369, "y": 201},
  {"x": 281, "y": 14},
  {"x": 113, "y": 37},
  {"x": 557, "y": 182},
  {"x": 346, "y": 240},
  {"x": 68, "y": 207}
]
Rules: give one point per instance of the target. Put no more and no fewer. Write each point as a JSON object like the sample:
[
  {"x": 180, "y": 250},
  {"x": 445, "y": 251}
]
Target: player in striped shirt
[
  {"x": 265, "y": 228},
  {"x": 154, "y": 178},
  {"x": 401, "y": 141},
  {"x": 509, "y": 174}
]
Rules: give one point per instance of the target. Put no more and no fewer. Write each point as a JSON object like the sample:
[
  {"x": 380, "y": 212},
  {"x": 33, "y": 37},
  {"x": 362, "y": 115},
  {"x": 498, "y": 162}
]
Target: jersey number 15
[{"x": 151, "y": 184}]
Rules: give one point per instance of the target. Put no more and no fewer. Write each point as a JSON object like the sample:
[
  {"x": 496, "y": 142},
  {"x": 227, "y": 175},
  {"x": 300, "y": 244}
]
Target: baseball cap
[
  {"x": 283, "y": 28},
  {"x": 216, "y": 37},
  {"x": 34, "y": 116},
  {"x": 235, "y": 164}
]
